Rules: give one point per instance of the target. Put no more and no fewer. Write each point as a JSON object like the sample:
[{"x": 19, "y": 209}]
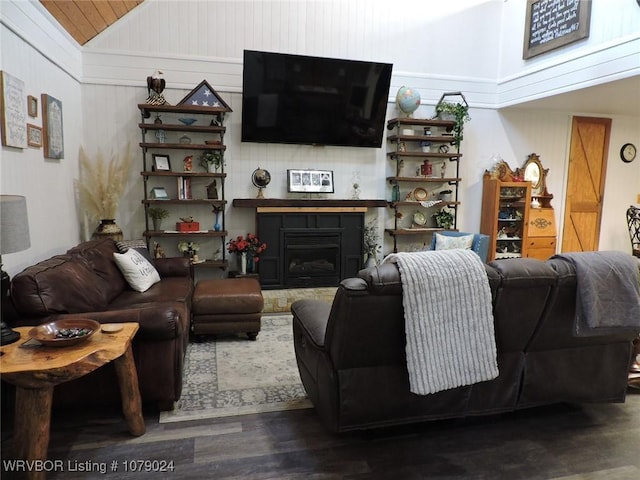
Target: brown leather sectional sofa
[
  {"x": 351, "y": 354},
  {"x": 86, "y": 282}
]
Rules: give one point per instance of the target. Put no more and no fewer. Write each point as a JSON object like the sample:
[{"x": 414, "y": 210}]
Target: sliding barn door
[{"x": 585, "y": 183}]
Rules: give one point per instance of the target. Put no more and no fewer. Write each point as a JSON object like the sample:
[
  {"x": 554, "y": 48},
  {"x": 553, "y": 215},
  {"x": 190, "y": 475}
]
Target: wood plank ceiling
[{"x": 84, "y": 19}]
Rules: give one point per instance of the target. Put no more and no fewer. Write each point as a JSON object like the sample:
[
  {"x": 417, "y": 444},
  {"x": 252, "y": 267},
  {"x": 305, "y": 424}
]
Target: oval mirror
[{"x": 533, "y": 173}]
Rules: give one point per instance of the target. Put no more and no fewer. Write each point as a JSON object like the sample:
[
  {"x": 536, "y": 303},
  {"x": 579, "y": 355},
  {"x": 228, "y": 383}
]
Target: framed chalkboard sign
[{"x": 552, "y": 24}]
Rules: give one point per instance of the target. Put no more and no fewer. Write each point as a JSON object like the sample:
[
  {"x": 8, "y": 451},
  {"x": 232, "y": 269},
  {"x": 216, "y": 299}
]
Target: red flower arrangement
[{"x": 250, "y": 245}]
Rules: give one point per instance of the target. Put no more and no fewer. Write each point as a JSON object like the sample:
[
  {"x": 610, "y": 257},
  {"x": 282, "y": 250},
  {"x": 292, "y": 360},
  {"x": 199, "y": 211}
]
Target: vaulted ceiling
[{"x": 84, "y": 19}]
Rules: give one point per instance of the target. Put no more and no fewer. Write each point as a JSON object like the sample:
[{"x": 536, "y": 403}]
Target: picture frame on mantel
[
  {"x": 552, "y": 24},
  {"x": 52, "y": 127},
  {"x": 310, "y": 181}
]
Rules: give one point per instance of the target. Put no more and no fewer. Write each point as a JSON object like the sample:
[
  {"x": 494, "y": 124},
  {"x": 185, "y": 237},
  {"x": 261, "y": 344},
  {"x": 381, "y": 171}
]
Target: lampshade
[{"x": 14, "y": 224}]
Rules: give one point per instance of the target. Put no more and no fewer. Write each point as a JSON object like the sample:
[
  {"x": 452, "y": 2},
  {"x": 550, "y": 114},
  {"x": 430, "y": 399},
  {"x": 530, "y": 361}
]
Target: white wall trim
[
  {"x": 107, "y": 67},
  {"x": 606, "y": 63},
  {"x": 614, "y": 61}
]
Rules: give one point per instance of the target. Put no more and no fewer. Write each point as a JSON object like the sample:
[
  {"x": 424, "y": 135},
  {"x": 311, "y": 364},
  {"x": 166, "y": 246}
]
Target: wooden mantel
[
  {"x": 291, "y": 205},
  {"x": 305, "y": 204}
]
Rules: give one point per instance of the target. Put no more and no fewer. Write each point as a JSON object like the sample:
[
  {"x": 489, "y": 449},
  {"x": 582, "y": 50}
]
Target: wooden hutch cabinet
[
  {"x": 541, "y": 241},
  {"x": 506, "y": 203}
]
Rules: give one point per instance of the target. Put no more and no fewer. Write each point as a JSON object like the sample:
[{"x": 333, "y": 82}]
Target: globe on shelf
[
  {"x": 408, "y": 100},
  {"x": 260, "y": 178}
]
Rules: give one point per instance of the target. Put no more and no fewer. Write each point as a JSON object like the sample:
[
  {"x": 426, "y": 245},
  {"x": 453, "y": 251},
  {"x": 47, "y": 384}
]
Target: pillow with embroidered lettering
[
  {"x": 139, "y": 273},
  {"x": 446, "y": 242}
]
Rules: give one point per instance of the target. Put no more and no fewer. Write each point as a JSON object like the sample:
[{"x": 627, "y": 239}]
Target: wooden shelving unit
[
  {"x": 210, "y": 128},
  {"x": 408, "y": 141}
]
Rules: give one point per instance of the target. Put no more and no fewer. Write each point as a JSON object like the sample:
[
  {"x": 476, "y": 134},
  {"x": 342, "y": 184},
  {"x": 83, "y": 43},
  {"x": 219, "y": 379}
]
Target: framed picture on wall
[
  {"x": 552, "y": 24},
  {"x": 13, "y": 115},
  {"x": 32, "y": 106},
  {"x": 53, "y": 137},
  {"x": 34, "y": 135},
  {"x": 310, "y": 181}
]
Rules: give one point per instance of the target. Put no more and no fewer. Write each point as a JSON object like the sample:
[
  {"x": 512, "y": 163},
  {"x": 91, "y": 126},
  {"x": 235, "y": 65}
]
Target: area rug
[{"x": 226, "y": 376}]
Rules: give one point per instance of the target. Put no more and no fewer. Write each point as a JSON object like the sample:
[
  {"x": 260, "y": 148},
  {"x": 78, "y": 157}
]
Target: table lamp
[{"x": 14, "y": 237}]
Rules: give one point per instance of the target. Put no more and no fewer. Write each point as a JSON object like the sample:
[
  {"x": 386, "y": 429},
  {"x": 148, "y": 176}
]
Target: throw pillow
[
  {"x": 139, "y": 245},
  {"x": 445, "y": 242},
  {"x": 137, "y": 270}
]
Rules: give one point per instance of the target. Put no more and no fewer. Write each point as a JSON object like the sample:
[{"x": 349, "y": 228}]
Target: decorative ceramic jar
[{"x": 108, "y": 229}]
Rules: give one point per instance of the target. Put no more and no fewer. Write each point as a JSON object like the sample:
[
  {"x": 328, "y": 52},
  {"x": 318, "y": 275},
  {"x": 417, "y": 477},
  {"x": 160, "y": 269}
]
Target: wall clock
[{"x": 628, "y": 152}]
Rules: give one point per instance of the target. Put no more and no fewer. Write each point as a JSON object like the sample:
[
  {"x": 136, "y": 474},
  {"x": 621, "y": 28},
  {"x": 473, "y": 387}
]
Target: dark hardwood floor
[{"x": 568, "y": 442}]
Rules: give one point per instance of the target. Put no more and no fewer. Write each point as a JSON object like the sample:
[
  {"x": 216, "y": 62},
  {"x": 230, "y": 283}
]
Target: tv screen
[{"x": 313, "y": 100}]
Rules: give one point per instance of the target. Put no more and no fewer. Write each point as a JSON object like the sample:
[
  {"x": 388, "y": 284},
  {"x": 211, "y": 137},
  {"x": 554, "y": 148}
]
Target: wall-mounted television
[{"x": 313, "y": 100}]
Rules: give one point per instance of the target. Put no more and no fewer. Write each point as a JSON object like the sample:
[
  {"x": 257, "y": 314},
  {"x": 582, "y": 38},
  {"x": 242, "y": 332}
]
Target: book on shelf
[{"x": 184, "y": 188}]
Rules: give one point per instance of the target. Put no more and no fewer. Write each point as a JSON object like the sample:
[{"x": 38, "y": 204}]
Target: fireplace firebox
[
  {"x": 311, "y": 258},
  {"x": 309, "y": 249}
]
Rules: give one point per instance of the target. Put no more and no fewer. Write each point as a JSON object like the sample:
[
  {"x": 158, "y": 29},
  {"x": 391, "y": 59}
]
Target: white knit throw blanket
[{"x": 448, "y": 319}]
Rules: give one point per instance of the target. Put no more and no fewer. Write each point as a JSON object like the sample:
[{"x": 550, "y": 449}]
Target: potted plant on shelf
[
  {"x": 157, "y": 214},
  {"x": 458, "y": 112},
  {"x": 189, "y": 249},
  {"x": 211, "y": 160},
  {"x": 444, "y": 218}
]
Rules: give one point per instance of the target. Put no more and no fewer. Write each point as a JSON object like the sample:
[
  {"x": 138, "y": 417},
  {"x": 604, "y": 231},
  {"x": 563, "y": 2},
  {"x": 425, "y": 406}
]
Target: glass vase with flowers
[{"x": 247, "y": 250}]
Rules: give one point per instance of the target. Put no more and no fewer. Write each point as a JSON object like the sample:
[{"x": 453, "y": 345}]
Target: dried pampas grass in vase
[{"x": 100, "y": 188}]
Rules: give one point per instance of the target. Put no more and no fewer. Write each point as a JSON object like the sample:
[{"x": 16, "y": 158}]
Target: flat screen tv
[{"x": 313, "y": 100}]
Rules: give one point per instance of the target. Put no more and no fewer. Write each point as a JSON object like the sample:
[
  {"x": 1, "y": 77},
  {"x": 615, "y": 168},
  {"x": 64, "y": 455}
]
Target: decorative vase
[
  {"x": 243, "y": 263},
  {"x": 251, "y": 264},
  {"x": 211, "y": 167},
  {"x": 157, "y": 224},
  {"x": 371, "y": 261},
  {"x": 108, "y": 229}
]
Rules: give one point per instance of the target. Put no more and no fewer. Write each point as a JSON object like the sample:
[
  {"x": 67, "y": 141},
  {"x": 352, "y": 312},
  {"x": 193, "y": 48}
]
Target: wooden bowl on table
[{"x": 65, "y": 332}]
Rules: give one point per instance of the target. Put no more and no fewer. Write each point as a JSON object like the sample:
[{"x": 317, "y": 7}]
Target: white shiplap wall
[
  {"x": 473, "y": 46},
  {"x": 47, "y": 62},
  {"x": 609, "y": 53}
]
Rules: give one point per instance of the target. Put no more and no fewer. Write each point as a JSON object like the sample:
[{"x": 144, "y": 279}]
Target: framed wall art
[
  {"x": 52, "y": 126},
  {"x": 552, "y": 24},
  {"x": 161, "y": 163},
  {"x": 13, "y": 115},
  {"x": 32, "y": 106},
  {"x": 310, "y": 181},
  {"x": 34, "y": 135}
]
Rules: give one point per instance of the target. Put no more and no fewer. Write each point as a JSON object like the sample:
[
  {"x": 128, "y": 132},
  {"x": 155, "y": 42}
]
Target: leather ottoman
[{"x": 228, "y": 305}]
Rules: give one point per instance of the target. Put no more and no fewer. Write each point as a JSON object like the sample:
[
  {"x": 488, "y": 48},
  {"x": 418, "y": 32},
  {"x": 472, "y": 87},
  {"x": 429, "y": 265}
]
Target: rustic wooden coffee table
[{"x": 36, "y": 371}]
